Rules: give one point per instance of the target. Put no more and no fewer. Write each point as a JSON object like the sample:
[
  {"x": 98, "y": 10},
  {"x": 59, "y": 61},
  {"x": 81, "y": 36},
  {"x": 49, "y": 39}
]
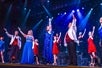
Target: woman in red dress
[
  {"x": 91, "y": 48},
  {"x": 55, "y": 48},
  {"x": 36, "y": 52}
]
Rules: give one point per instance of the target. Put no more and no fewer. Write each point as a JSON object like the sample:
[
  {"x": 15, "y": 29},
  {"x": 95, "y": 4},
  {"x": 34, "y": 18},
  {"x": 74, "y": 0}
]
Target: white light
[
  {"x": 65, "y": 13},
  {"x": 82, "y": 7},
  {"x": 48, "y": 1},
  {"x": 77, "y": 10},
  {"x": 91, "y": 8},
  {"x": 73, "y": 11},
  {"x": 101, "y": 4},
  {"x": 25, "y": 8}
]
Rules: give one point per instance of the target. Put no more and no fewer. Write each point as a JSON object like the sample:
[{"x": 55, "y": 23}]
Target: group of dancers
[{"x": 51, "y": 43}]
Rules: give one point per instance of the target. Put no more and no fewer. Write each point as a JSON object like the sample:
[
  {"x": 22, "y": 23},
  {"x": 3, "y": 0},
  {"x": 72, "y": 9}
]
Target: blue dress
[
  {"x": 28, "y": 55},
  {"x": 1, "y": 45},
  {"x": 100, "y": 32},
  {"x": 47, "y": 52}
]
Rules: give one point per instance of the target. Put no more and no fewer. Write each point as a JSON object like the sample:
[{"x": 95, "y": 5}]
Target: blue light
[
  {"x": 101, "y": 4},
  {"x": 83, "y": 8},
  {"x": 85, "y": 20},
  {"x": 73, "y": 11},
  {"x": 78, "y": 10},
  {"x": 91, "y": 9},
  {"x": 65, "y": 13}
]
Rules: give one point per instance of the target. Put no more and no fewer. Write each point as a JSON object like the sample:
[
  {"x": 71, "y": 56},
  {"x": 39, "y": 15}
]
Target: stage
[{"x": 8, "y": 65}]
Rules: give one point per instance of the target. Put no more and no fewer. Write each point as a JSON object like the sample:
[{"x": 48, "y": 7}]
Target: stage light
[
  {"x": 35, "y": 27},
  {"x": 78, "y": 10},
  {"x": 83, "y": 8},
  {"x": 25, "y": 19},
  {"x": 85, "y": 20},
  {"x": 48, "y": 1},
  {"x": 91, "y": 9},
  {"x": 25, "y": 8},
  {"x": 73, "y": 11},
  {"x": 8, "y": 13},
  {"x": 47, "y": 11},
  {"x": 79, "y": 15},
  {"x": 58, "y": 13},
  {"x": 65, "y": 13},
  {"x": 101, "y": 4}
]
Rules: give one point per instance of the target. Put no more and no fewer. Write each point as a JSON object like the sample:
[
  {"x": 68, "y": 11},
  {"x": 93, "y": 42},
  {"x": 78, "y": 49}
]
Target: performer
[
  {"x": 91, "y": 47},
  {"x": 100, "y": 38},
  {"x": 2, "y": 49},
  {"x": 100, "y": 32},
  {"x": 55, "y": 48},
  {"x": 48, "y": 42},
  {"x": 15, "y": 46},
  {"x": 70, "y": 41},
  {"x": 81, "y": 42},
  {"x": 28, "y": 55},
  {"x": 36, "y": 51}
]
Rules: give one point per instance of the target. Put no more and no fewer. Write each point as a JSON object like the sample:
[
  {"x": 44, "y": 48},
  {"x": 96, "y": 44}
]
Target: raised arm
[
  {"x": 93, "y": 30},
  {"x": 21, "y": 32},
  {"x": 84, "y": 33},
  {"x": 74, "y": 21},
  {"x": 65, "y": 43},
  {"x": 9, "y": 35},
  {"x": 50, "y": 25},
  {"x": 59, "y": 37}
]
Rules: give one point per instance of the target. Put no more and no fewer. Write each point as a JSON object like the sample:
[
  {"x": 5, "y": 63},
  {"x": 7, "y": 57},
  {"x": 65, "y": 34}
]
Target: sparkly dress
[{"x": 28, "y": 55}]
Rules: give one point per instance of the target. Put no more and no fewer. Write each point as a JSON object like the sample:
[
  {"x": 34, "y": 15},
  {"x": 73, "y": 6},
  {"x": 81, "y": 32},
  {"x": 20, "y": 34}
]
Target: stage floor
[{"x": 8, "y": 65}]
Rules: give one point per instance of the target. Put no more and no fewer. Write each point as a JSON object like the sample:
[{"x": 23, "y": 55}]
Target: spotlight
[
  {"x": 25, "y": 8},
  {"x": 101, "y": 4},
  {"x": 58, "y": 13},
  {"x": 77, "y": 10},
  {"x": 82, "y": 7},
  {"x": 73, "y": 11},
  {"x": 65, "y": 13},
  {"x": 91, "y": 9},
  {"x": 48, "y": 1}
]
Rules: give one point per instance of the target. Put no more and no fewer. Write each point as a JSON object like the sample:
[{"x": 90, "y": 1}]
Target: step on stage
[{"x": 38, "y": 66}]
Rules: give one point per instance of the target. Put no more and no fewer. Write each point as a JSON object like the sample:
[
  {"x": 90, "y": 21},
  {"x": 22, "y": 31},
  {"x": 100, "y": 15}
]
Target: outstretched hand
[
  {"x": 19, "y": 28},
  {"x": 5, "y": 29},
  {"x": 93, "y": 27}
]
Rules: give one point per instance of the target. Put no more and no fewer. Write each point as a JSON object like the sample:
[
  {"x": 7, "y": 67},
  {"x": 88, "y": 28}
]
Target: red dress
[
  {"x": 55, "y": 49},
  {"x": 36, "y": 52},
  {"x": 91, "y": 46}
]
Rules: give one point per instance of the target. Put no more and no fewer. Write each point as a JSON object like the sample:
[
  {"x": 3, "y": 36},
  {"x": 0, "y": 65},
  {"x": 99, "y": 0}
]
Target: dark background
[{"x": 15, "y": 17}]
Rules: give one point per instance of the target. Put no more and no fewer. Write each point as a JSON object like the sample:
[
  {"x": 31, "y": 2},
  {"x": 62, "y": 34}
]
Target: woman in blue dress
[
  {"x": 48, "y": 42},
  {"x": 28, "y": 55},
  {"x": 2, "y": 49}
]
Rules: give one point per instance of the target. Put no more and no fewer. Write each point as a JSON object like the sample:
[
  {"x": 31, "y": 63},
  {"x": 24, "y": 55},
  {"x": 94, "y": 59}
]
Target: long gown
[
  {"x": 47, "y": 51},
  {"x": 28, "y": 55},
  {"x": 91, "y": 46},
  {"x": 100, "y": 32}
]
